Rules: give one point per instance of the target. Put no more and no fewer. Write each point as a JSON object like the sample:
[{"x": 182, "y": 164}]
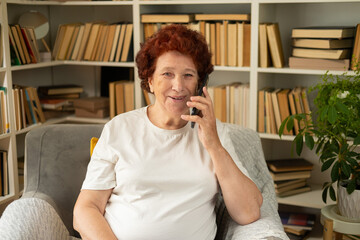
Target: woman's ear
[{"x": 150, "y": 81}]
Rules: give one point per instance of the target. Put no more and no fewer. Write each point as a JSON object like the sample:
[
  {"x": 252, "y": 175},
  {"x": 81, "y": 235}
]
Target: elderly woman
[{"x": 151, "y": 175}]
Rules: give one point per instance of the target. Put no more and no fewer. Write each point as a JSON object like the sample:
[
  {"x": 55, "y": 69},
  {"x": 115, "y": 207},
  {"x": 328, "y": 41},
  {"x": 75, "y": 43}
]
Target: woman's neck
[{"x": 162, "y": 120}]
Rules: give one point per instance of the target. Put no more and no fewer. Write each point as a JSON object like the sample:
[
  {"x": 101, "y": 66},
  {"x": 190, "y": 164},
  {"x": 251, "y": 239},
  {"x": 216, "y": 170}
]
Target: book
[
  {"x": 100, "y": 113},
  {"x": 294, "y": 191},
  {"x": 221, "y": 17},
  {"x": 115, "y": 42},
  {"x": 297, "y": 220},
  {"x": 282, "y": 97},
  {"x": 92, "y": 103},
  {"x": 65, "y": 43},
  {"x": 285, "y": 165},
  {"x": 323, "y": 32},
  {"x": 278, "y": 176},
  {"x": 285, "y": 183},
  {"x": 54, "y": 103},
  {"x": 84, "y": 41},
  {"x": 246, "y": 45},
  {"x": 240, "y": 43},
  {"x": 318, "y": 63},
  {"x": 126, "y": 50},
  {"x": 14, "y": 53},
  {"x": 90, "y": 46},
  {"x": 264, "y": 54},
  {"x": 17, "y": 43},
  {"x": 60, "y": 89},
  {"x": 276, "y": 108},
  {"x": 58, "y": 41},
  {"x": 284, "y": 190},
  {"x": 120, "y": 43},
  {"x": 79, "y": 38},
  {"x": 261, "y": 110},
  {"x": 22, "y": 42},
  {"x": 293, "y": 111},
  {"x": 322, "y": 43},
  {"x": 167, "y": 18},
  {"x": 321, "y": 53},
  {"x": 275, "y": 45}
]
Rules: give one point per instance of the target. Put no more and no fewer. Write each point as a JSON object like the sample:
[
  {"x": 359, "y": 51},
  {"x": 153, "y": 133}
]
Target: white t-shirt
[{"x": 163, "y": 180}]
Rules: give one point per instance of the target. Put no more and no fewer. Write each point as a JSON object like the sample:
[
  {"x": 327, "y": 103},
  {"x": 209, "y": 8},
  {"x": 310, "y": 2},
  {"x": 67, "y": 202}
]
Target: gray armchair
[{"x": 56, "y": 159}]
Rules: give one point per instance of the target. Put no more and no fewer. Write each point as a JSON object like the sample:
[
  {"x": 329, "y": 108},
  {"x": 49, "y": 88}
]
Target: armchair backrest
[{"x": 56, "y": 160}]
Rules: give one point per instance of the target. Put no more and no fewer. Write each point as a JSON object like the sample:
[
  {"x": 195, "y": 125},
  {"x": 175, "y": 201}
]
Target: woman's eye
[
  {"x": 167, "y": 74},
  {"x": 188, "y": 75}
]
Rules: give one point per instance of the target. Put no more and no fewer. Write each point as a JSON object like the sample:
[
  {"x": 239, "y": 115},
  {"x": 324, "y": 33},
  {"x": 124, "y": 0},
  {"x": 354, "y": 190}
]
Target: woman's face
[{"x": 173, "y": 82}]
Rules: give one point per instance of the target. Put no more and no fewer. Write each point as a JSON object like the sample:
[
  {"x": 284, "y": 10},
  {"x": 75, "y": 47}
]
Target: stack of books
[
  {"x": 121, "y": 97},
  {"x": 297, "y": 225},
  {"x": 231, "y": 102},
  {"x": 23, "y": 45},
  {"x": 58, "y": 100},
  {"x": 290, "y": 176},
  {"x": 94, "y": 41},
  {"x": 228, "y": 35},
  {"x": 276, "y": 104},
  {"x": 327, "y": 48},
  {"x": 92, "y": 107}
]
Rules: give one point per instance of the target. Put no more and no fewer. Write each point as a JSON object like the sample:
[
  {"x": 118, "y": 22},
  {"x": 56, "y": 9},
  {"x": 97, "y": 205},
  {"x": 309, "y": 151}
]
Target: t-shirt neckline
[{"x": 182, "y": 130}]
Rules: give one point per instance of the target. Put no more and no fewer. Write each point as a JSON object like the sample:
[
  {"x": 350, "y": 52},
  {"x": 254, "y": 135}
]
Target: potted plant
[{"x": 335, "y": 132}]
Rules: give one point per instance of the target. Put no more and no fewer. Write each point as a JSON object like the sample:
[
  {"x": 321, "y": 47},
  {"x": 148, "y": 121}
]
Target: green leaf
[
  {"x": 342, "y": 108},
  {"x": 290, "y": 124},
  {"x": 352, "y": 161},
  {"x": 332, "y": 115},
  {"x": 335, "y": 172},
  {"x": 320, "y": 144},
  {"x": 351, "y": 186},
  {"x": 346, "y": 169},
  {"x": 324, "y": 194},
  {"x": 282, "y": 126},
  {"x": 309, "y": 141},
  {"x": 332, "y": 193},
  {"x": 299, "y": 144},
  {"x": 327, "y": 164},
  {"x": 357, "y": 140},
  {"x": 324, "y": 112}
]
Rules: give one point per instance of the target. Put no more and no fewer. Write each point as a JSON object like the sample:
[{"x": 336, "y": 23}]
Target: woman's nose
[{"x": 178, "y": 83}]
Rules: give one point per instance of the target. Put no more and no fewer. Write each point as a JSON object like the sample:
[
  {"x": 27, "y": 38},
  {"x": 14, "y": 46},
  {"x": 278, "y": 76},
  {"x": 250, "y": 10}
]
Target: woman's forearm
[
  {"x": 241, "y": 196},
  {"x": 91, "y": 224}
]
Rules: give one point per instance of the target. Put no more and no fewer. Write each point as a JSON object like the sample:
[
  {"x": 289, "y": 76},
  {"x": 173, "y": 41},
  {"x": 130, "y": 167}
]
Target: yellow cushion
[{"x": 93, "y": 142}]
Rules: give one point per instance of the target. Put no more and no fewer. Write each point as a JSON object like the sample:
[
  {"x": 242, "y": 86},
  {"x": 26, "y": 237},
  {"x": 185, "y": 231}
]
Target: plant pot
[{"x": 349, "y": 204}]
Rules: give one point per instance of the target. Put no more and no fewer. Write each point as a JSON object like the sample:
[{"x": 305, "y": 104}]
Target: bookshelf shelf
[
  {"x": 71, "y": 3},
  {"x": 189, "y": 2},
  {"x": 36, "y": 65},
  {"x": 101, "y": 64},
  {"x": 310, "y": 199}
]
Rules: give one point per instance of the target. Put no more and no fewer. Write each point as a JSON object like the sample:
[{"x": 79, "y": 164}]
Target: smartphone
[{"x": 195, "y": 111}]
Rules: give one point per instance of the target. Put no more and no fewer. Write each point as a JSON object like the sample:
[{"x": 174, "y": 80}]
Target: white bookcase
[{"x": 288, "y": 13}]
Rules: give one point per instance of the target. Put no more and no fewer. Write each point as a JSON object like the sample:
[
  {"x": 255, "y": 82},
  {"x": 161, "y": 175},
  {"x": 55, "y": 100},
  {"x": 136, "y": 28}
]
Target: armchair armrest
[{"x": 32, "y": 217}]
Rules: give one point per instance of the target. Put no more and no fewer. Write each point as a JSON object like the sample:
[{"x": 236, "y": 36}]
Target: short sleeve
[
  {"x": 229, "y": 146},
  {"x": 100, "y": 173}
]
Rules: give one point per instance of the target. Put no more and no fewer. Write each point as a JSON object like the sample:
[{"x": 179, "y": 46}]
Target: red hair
[{"x": 173, "y": 38}]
